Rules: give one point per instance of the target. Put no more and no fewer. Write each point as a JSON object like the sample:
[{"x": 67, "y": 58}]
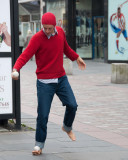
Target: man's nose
[{"x": 47, "y": 30}]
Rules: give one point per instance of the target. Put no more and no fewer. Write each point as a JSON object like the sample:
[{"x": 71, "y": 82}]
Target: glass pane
[
  {"x": 25, "y": 29},
  {"x": 29, "y": 15},
  {"x": 84, "y": 28},
  {"x": 37, "y": 27},
  {"x": 36, "y": 17},
  {"x": 99, "y": 37},
  {"x": 32, "y": 27},
  {"x": 57, "y": 7}
]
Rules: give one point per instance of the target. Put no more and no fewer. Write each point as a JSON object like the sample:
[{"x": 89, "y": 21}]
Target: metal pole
[
  {"x": 42, "y": 4},
  {"x": 16, "y": 51}
]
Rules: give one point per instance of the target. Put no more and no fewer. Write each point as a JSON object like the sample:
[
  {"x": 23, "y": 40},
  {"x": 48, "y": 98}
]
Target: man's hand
[
  {"x": 15, "y": 74},
  {"x": 3, "y": 27},
  {"x": 7, "y": 37},
  {"x": 81, "y": 63}
]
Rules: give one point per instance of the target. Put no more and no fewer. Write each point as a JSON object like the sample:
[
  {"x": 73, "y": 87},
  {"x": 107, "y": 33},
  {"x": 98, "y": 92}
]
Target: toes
[{"x": 37, "y": 152}]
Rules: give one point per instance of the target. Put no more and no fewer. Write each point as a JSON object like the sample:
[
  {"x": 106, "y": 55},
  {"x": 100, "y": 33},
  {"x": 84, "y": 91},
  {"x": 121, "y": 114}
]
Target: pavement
[{"x": 101, "y": 123}]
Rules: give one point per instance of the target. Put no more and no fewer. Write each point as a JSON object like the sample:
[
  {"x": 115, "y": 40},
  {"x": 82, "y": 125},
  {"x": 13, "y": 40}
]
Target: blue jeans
[{"x": 45, "y": 94}]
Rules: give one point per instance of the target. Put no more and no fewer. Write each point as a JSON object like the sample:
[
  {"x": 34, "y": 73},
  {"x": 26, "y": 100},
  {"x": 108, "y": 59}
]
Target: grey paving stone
[
  {"x": 26, "y": 155},
  {"x": 95, "y": 156}
]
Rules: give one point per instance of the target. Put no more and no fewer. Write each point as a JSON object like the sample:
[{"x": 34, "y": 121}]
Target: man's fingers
[
  {"x": 81, "y": 63},
  {"x": 0, "y": 27},
  {"x": 82, "y": 67},
  {"x": 3, "y": 27},
  {"x": 14, "y": 78}
]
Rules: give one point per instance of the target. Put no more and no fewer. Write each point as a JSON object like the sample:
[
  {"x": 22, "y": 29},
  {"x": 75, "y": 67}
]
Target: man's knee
[{"x": 72, "y": 107}]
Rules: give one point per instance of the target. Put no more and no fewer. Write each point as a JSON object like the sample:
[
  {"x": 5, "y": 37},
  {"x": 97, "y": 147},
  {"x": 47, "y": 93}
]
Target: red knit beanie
[{"x": 49, "y": 18}]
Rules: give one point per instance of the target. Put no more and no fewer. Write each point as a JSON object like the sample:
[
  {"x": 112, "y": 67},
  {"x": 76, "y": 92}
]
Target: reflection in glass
[
  {"x": 84, "y": 28},
  {"x": 98, "y": 37},
  {"x": 57, "y": 7}
]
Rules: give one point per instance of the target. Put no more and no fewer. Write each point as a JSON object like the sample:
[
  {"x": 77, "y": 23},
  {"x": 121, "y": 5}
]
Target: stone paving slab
[
  {"x": 26, "y": 155},
  {"x": 95, "y": 156}
]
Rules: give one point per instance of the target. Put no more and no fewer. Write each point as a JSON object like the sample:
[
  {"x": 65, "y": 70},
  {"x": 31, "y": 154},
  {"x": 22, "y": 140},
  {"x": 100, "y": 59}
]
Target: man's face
[
  {"x": 49, "y": 29},
  {"x": 119, "y": 11}
]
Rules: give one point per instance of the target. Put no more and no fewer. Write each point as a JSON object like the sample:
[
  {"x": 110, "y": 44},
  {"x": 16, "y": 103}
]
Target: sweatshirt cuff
[
  {"x": 75, "y": 57},
  {"x": 14, "y": 69}
]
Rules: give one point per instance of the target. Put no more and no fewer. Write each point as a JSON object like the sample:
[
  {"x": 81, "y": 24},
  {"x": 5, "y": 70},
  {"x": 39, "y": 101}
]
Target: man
[
  {"x": 121, "y": 27},
  {"x": 29, "y": 36},
  {"x": 48, "y": 45},
  {"x": 21, "y": 42}
]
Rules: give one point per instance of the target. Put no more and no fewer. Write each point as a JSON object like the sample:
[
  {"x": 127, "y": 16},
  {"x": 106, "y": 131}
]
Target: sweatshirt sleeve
[
  {"x": 70, "y": 53},
  {"x": 31, "y": 49}
]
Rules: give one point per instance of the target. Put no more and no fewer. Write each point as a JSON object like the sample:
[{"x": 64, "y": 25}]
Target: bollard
[
  {"x": 119, "y": 73},
  {"x": 68, "y": 66}
]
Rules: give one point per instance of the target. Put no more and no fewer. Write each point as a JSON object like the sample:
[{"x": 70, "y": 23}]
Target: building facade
[{"x": 85, "y": 23}]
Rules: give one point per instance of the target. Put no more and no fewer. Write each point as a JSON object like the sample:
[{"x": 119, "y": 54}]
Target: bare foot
[
  {"x": 37, "y": 151},
  {"x": 70, "y": 134}
]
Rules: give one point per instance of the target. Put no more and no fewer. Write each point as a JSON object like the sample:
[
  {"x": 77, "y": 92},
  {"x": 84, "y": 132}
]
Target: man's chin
[{"x": 47, "y": 34}]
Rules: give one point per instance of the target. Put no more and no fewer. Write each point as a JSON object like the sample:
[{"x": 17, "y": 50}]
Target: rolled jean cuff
[
  {"x": 67, "y": 129},
  {"x": 39, "y": 144}
]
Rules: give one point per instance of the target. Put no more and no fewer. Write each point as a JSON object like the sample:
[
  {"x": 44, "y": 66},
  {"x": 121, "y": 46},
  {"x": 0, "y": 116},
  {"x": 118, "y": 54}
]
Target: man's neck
[{"x": 52, "y": 34}]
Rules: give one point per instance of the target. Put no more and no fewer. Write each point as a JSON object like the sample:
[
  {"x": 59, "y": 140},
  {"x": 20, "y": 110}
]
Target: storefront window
[
  {"x": 57, "y": 7},
  {"x": 84, "y": 28},
  {"x": 29, "y": 17},
  {"x": 98, "y": 37}
]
